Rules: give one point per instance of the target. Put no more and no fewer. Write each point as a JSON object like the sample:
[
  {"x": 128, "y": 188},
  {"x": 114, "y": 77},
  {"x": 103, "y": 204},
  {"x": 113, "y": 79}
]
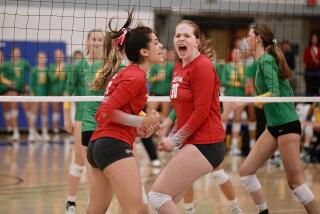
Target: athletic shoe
[
  {"x": 235, "y": 209},
  {"x": 156, "y": 163},
  {"x": 190, "y": 211}
]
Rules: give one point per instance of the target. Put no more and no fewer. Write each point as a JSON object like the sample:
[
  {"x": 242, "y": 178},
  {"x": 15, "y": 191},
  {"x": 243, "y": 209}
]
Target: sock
[{"x": 262, "y": 207}]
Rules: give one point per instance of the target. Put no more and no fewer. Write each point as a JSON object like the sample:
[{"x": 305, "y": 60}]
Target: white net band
[{"x": 154, "y": 99}]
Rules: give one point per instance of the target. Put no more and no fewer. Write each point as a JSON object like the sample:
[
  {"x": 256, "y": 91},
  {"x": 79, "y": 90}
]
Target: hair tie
[
  {"x": 274, "y": 41},
  {"x": 119, "y": 41}
]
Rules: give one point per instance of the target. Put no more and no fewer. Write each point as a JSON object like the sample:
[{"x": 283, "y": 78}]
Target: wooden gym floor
[{"x": 33, "y": 180}]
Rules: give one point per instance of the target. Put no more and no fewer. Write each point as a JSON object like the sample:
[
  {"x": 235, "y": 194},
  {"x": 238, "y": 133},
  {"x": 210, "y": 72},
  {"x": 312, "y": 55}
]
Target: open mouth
[{"x": 182, "y": 48}]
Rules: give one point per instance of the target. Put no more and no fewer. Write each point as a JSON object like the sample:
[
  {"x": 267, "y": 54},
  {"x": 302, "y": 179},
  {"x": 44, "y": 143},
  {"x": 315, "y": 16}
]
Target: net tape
[{"x": 154, "y": 99}]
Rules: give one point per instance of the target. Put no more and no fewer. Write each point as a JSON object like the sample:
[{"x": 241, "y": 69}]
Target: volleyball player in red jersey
[
  {"x": 198, "y": 128},
  {"x": 113, "y": 166}
]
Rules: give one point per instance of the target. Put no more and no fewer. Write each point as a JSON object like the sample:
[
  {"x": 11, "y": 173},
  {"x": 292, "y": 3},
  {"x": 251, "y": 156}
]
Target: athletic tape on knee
[
  {"x": 55, "y": 117},
  {"x": 14, "y": 113},
  {"x": 76, "y": 170},
  {"x": 157, "y": 199},
  {"x": 220, "y": 176},
  {"x": 251, "y": 183},
  {"x": 308, "y": 130},
  {"x": 236, "y": 127},
  {"x": 303, "y": 194},
  {"x": 144, "y": 196},
  {"x": 252, "y": 126}
]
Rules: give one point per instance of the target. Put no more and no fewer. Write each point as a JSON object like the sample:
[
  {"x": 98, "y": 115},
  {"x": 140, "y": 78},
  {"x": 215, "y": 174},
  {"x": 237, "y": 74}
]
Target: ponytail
[
  {"x": 271, "y": 46},
  {"x": 112, "y": 53},
  {"x": 276, "y": 52}
]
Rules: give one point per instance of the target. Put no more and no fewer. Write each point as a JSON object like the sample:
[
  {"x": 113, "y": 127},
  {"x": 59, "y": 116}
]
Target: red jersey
[
  {"x": 195, "y": 98},
  {"x": 127, "y": 91},
  {"x": 309, "y": 61}
]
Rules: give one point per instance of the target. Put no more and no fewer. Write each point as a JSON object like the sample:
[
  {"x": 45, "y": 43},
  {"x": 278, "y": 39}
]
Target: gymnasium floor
[{"x": 33, "y": 180}]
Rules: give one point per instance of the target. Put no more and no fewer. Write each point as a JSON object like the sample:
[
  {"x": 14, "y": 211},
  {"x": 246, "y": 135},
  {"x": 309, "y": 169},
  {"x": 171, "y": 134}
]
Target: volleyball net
[{"x": 45, "y": 26}]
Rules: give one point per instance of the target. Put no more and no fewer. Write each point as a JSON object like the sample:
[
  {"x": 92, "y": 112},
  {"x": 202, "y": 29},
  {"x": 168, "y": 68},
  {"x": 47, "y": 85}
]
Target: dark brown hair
[
  {"x": 135, "y": 39},
  {"x": 271, "y": 46}
]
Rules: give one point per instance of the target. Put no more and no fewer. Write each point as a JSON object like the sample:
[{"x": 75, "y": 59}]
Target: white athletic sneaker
[
  {"x": 16, "y": 136},
  {"x": 71, "y": 210},
  {"x": 235, "y": 209},
  {"x": 156, "y": 163},
  {"x": 34, "y": 136},
  {"x": 45, "y": 136},
  {"x": 190, "y": 211}
]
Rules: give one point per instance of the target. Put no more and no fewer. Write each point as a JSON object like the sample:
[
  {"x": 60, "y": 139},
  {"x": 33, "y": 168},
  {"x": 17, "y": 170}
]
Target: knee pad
[
  {"x": 7, "y": 115},
  {"x": 33, "y": 118},
  {"x": 76, "y": 170},
  {"x": 55, "y": 117},
  {"x": 252, "y": 126},
  {"x": 157, "y": 199},
  {"x": 236, "y": 127},
  {"x": 303, "y": 194},
  {"x": 308, "y": 130},
  {"x": 44, "y": 118},
  {"x": 251, "y": 183},
  {"x": 220, "y": 176},
  {"x": 144, "y": 196},
  {"x": 14, "y": 113}
]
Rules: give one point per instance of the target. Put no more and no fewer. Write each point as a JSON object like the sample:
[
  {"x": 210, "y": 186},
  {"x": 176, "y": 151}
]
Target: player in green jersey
[
  {"x": 13, "y": 76},
  {"x": 283, "y": 127},
  {"x": 3, "y": 91},
  {"x": 57, "y": 75},
  {"x": 39, "y": 87},
  {"x": 234, "y": 82},
  {"x": 76, "y": 85}
]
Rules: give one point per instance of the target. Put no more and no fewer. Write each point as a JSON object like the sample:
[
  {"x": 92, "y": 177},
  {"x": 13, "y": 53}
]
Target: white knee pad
[
  {"x": 308, "y": 130},
  {"x": 144, "y": 196},
  {"x": 7, "y": 115},
  {"x": 44, "y": 118},
  {"x": 157, "y": 199},
  {"x": 252, "y": 126},
  {"x": 55, "y": 117},
  {"x": 236, "y": 127},
  {"x": 14, "y": 113},
  {"x": 76, "y": 170},
  {"x": 220, "y": 176},
  {"x": 303, "y": 194},
  {"x": 251, "y": 183}
]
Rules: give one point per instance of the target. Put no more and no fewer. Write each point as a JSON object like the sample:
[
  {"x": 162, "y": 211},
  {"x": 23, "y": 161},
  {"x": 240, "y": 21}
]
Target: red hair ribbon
[{"x": 119, "y": 41}]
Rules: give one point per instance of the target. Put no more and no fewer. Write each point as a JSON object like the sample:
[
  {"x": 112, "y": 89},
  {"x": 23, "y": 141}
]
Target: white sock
[
  {"x": 188, "y": 206},
  {"x": 261, "y": 207},
  {"x": 71, "y": 198}
]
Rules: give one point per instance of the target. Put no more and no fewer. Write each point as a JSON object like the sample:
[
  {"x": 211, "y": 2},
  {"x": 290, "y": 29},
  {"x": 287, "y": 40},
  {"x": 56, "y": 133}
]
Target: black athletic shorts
[
  {"x": 85, "y": 137},
  {"x": 214, "y": 152},
  {"x": 288, "y": 128},
  {"x": 105, "y": 151}
]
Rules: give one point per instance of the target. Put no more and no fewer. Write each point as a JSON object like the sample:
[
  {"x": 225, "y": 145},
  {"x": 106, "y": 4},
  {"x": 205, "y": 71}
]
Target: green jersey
[
  {"x": 3, "y": 87},
  {"x": 172, "y": 115},
  {"x": 75, "y": 84},
  {"x": 17, "y": 73},
  {"x": 250, "y": 71},
  {"x": 160, "y": 87},
  {"x": 39, "y": 82},
  {"x": 90, "y": 108},
  {"x": 58, "y": 79},
  {"x": 268, "y": 80},
  {"x": 233, "y": 80}
]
